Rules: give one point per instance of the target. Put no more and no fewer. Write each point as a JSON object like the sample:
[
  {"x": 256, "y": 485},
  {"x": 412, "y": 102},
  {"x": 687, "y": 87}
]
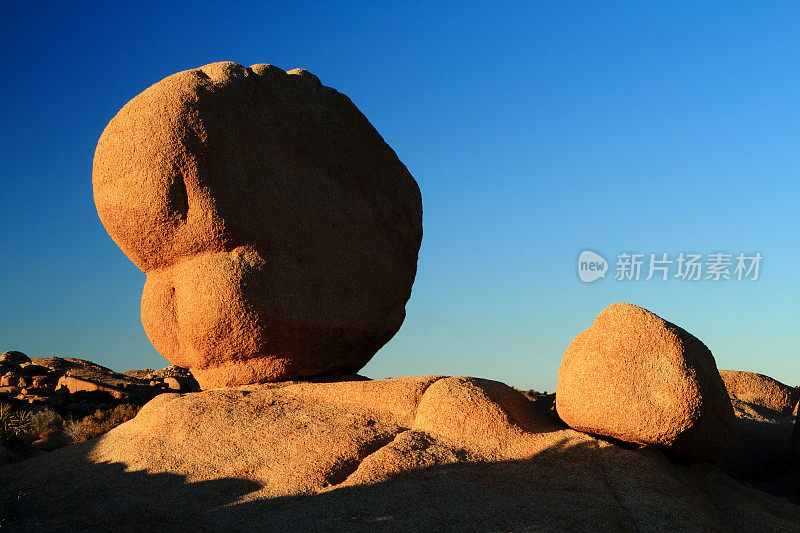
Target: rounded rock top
[{"x": 14, "y": 357}]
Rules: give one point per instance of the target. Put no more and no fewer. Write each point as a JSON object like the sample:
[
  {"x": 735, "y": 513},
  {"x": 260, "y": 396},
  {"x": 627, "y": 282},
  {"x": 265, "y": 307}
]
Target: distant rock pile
[
  {"x": 69, "y": 382},
  {"x": 278, "y": 231},
  {"x": 638, "y": 378}
]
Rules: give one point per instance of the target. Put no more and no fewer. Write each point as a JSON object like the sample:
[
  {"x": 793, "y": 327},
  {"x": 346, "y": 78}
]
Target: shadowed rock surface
[
  {"x": 638, "y": 378},
  {"x": 365, "y": 455},
  {"x": 759, "y": 453},
  {"x": 278, "y": 231}
]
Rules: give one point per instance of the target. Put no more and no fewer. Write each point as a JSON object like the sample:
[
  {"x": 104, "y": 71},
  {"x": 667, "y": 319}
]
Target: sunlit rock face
[{"x": 278, "y": 231}]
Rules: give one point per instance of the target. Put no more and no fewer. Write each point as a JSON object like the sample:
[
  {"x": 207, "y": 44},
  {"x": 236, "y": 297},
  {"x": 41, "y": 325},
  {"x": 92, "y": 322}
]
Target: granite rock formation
[
  {"x": 635, "y": 377},
  {"x": 278, "y": 231}
]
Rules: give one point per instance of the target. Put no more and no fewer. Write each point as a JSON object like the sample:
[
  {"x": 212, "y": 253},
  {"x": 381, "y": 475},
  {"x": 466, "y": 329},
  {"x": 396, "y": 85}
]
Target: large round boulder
[
  {"x": 278, "y": 231},
  {"x": 635, "y": 377}
]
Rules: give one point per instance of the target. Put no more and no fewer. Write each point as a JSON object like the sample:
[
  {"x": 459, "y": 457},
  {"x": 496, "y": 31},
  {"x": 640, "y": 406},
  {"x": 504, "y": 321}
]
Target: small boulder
[
  {"x": 7, "y": 367},
  {"x": 13, "y": 356},
  {"x": 183, "y": 375},
  {"x": 478, "y": 413},
  {"x": 762, "y": 390},
  {"x": 43, "y": 382},
  {"x": 635, "y": 377},
  {"x": 172, "y": 383}
]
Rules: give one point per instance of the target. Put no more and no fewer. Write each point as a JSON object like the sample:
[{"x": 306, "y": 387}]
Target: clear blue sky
[{"x": 535, "y": 130}]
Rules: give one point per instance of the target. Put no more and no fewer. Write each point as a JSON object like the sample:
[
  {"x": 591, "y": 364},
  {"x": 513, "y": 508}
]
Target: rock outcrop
[
  {"x": 635, "y": 377},
  {"x": 341, "y": 423},
  {"x": 278, "y": 231},
  {"x": 74, "y": 386},
  {"x": 369, "y": 455},
  {"x": 761, "y": 390}
]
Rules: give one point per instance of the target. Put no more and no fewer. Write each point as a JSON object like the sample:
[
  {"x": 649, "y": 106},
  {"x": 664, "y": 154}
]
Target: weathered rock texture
[
  {"x": 761, "y": 390},
  {"x": 278, "y": 231},
  {"x": 636, "y": 377},
  {"x": 366, "y": 456}
]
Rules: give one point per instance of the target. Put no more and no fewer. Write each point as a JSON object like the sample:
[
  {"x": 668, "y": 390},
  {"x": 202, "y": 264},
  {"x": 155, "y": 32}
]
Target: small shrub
[
  {"x": 14, "y": 423},
  {"x": 45, "y": 423},
  {"x": 100, "y": 422}
]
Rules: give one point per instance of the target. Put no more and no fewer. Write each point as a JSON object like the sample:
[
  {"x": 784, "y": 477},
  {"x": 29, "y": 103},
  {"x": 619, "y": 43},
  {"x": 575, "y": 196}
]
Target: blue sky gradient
[{"x": 535, "y": 131}]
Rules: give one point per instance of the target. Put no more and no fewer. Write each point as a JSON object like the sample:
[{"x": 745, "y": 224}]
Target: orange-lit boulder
[
  {"x": 636, "y": 377},
  {"x": 278, "y": 231}
]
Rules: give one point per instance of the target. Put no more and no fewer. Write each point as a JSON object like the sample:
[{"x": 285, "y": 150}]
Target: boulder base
[{"x": 369, "y": 455}]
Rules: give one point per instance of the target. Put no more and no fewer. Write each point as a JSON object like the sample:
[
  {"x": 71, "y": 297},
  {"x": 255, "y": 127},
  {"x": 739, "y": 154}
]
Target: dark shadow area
[
  {"x": 65, "y": 491},
  {"x": 616, "y": 442},
  {"x": 759, "y": 453},
  {"x": 567, "y": 486}
]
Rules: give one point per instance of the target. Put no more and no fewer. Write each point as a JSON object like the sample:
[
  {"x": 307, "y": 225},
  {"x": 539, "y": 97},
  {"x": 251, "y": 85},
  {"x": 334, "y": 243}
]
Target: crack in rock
[{"x": 341, "y": 473}]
